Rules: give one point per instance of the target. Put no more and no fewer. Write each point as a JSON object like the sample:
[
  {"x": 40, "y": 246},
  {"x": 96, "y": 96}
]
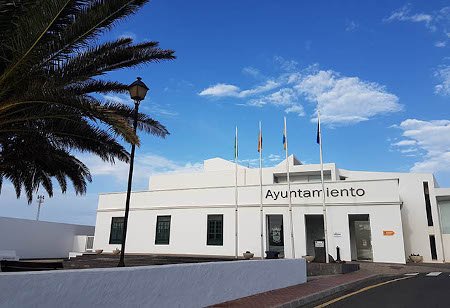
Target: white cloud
[
  {"x": 221, "y": 90},
  {"x": 289, "y": 65},
  {"x": 251, "y": 162},
  {"x": 405, "y": 143},
  {"x": 153, "y": 109},
  {"x": 404, "y": 14},
  {"x": 436, "y": 21},
  {"x": 351, "y": 26},
  {"x": 118, "y": 98},
  {"x": 443, "y": 75},
  {"x": 431, "y": 138},
  {"x": 282, "y": 97},
  {"x": 228, "y": 90},
  {"x": 285, "y": 97},
  {"x": 251, "y": 71},
  {"x": 128, "y": 34},
  {"x": 345, "y": 100},
  {"x": 298, "y": 109},
  {"x": 342, "y": 99},
  {"x": 268, "y": 161},
  {"x": 408, "y": 151},
  {"x": 267, "y": 86},
  {"x": 274, "y": 158}
]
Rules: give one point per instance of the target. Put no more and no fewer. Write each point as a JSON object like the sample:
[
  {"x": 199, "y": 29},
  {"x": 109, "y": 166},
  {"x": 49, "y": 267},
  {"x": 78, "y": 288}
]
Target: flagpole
[
  {"x": 289, "y": 190},
  {"x": 236, "y": 248},
  {"x": 261, "y": 191},
  {"x": 324, "y": 209}
]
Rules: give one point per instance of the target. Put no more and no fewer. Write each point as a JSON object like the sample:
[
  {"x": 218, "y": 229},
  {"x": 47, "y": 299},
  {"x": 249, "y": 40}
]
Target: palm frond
[{"x": 49, "y": 69}]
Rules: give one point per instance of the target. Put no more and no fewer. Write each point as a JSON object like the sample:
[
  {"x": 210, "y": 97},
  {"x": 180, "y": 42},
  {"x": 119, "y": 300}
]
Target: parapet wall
[
  {"x": 32, "y": 239},
  {"x": 178, "y": 285}
]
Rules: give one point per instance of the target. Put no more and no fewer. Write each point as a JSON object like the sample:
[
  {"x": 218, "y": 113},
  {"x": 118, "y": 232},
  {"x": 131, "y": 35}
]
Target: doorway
[
  {"x": 360, "y": 237},
  {"x": 314, "y": 231},
  {"x": 275, "y": 234}
]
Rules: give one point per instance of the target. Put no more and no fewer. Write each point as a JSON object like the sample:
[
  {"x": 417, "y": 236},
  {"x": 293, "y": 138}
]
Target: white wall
[
  {"x": 415, "y": 226},
  {"x": 376, "y": 191},
  {"x": 218, "y": 172},
  {"x": 188, "y": 231},
  {"x": 39, "y": 239},
  {"x": 180, "y": 285}
]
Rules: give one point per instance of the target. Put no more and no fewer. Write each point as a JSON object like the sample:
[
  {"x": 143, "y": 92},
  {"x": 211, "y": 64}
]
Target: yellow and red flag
[{"x": 260, "y": 141}]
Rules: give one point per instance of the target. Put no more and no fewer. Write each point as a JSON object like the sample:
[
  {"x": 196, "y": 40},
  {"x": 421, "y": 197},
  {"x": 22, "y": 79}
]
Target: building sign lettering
[{"x": 308, "y": 193}]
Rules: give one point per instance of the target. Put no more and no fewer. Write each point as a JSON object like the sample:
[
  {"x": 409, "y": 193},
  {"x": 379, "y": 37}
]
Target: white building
[{"x": 378, "y": 216}]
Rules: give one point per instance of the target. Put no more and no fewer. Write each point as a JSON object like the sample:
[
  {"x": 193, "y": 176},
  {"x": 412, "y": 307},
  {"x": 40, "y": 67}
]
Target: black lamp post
[{"x": 137, "y": 90}]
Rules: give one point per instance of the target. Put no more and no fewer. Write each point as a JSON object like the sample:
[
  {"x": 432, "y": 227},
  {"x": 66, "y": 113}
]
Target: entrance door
[
  {"x": 275, "y": 234},
  {"x": 363, "y": 240},
  {"x": 314, "y": 231},
  {"x": 360, "y": 237}
]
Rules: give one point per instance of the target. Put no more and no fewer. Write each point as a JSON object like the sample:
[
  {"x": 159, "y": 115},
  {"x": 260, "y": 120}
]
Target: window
[
  {"x": 115, "y": 236},
  {"x": 162, "y": 230},
  {"x": 215, "y": 230},
  {"x": 427, "y": 204},
  {"x": 433, "y": 247},
  {"x": 444, "y": 207}
]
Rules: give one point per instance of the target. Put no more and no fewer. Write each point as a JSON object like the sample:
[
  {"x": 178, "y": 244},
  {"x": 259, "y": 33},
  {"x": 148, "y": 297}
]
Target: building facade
[{"x": 373, "y": 216}]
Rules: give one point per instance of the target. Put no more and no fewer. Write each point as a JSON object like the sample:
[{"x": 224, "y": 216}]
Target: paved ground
[
  {"x": 313, "y": 290},
  {"x": 410, "y": 290},
  {"x": 320, "y": 289}
]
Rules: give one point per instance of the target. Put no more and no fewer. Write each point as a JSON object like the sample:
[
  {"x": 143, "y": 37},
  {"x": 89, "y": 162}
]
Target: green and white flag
[{"x": 236, "y": 152}]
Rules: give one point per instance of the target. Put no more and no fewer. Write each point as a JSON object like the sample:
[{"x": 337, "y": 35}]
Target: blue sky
[{"x": 379, "y": 70}]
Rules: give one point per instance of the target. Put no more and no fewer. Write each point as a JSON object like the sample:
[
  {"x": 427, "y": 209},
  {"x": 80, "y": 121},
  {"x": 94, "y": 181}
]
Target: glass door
[
  {"x": 363, "y": 240},
  {"x": 275, "y": 236}
]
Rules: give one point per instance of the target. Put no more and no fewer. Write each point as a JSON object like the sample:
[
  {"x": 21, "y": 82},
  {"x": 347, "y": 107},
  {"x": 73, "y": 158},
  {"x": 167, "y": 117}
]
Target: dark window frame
[
  {"x": 115, "y": 237},
  {"x": 162, "y": 235},
  {"x": 426, "y": 192},
  {"x": 433, "y": 247},
  {"x": 214, "y": 230}
]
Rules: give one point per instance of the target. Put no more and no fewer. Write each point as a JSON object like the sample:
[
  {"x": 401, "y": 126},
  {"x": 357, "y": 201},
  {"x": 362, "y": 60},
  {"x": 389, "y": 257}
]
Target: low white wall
[
  {"x": 79, "y": 243},
  {"x": 39, "y": 239},
  {"x": 179, "y": 285}
]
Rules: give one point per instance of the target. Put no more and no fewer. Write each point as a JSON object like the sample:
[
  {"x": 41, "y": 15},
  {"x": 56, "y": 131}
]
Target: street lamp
[
  {"x": 40, "y": 201},
  {"x": 137, "y": 90}
]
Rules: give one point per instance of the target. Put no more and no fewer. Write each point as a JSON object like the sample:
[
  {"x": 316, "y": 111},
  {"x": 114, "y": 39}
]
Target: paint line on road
[
  {"x": 434, "y": 274},
  {"x": 360, "y": 291},
  {"x": 412, "y": 274}
]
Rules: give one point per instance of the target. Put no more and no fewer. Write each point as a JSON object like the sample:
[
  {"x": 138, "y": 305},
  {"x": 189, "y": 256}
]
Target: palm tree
[{"x": 50, "y": 107}]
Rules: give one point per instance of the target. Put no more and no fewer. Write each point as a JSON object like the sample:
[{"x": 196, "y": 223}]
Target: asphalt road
[{"x": 414, "y": 291}]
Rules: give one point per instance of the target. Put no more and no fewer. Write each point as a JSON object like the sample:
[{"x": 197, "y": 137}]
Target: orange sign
[{"x": 388, "y": 233}]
